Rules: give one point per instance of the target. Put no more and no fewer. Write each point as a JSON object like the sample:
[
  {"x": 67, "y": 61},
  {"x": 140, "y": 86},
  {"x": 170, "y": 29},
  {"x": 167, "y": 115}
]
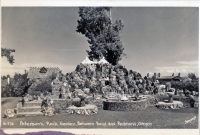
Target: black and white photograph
[{"x": 100, "y": 67}]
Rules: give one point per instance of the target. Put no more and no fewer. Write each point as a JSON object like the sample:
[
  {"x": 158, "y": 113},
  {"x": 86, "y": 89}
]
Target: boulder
[{"x": 76, "y": 102}]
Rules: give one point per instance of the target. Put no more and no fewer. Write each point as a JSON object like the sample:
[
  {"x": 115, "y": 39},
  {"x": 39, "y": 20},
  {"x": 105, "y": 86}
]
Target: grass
[
  {"x": 174, "y": 119},
  {"x": 9, "y": 103}
]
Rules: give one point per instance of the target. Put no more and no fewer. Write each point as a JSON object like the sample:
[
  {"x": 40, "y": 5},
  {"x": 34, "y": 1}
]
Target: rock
[
  {"x": 82, "y": 103},
  {"x": 9, "y": 113},
  {"x": 76, "y": 102},
  {"x": 98, "y": 98},
  {"x": 49, "y": 111},
  {"x": 86, "y": 90}
]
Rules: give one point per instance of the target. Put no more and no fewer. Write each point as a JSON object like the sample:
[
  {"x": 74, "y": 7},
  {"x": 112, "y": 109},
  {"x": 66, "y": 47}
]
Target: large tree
[
  {"x": 103, "y": 35},
  {"x": 19, "y": 83}
]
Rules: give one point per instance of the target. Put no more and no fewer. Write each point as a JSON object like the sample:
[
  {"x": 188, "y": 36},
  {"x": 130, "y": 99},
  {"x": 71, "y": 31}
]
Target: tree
[
  {"x": 53, "y": 76},
  {"x": 103, "y": 35},
  {"x": 43, "y": 86},
  {"x": 4, "y": 77},
  {"x": 7, "y": 91},
  {"x": 179, "y": 74},
  {"x": 7, "y": 53},
  {"x": 192, "y": 76},
  {"x": 18, "y": 84}
]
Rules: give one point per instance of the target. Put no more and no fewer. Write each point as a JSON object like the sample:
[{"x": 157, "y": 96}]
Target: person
[
  {"x": 23, "y": 100},
  {"x": 155, "y": 90},
  {"x": 118, "y": 89},
  {"x": 140, "y": 87},
  {"x": 126, "y": 89},
  {"x": 131, "y": 90},
  {"x": 181, "y": 92},
  {"x": 102, "y": 86},
  {"x": 137, "y": 93},
  {"x": 152, "y": 84},
  {"x": 63, "y": 90},
  {"x": 177, "y": 91},
  {"x": 82, "y": 84},
  {"x": 187, "y": 92},
  {"x": 93, "y": 85}
]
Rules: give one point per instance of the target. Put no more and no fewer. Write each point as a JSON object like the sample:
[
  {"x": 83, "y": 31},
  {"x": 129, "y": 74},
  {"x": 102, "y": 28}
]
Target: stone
[
  {"x": 86, "y": 90},
  {"x": 76, "y": 102},
  {"x": 9, "y": 113},
  {"x": 125, "y": 105},
  {"x": 173, "y": 105},
  {"x": 49, "y": 111},
  {"x": 86, "y": 110}
]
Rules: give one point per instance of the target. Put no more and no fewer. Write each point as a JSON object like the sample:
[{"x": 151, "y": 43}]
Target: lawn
[{"x": 151, "y": 118}]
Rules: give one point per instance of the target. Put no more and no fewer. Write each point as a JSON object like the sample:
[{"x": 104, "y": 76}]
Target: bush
[
  {"x": 152, "y": 100},
  {"x": 43, "y": 86},
  {"x": 7, "y": 91},
  {"x": 32, "y": 92},
  {"x": 57, "y": 110},
  {"x": 186, "y": 85}
]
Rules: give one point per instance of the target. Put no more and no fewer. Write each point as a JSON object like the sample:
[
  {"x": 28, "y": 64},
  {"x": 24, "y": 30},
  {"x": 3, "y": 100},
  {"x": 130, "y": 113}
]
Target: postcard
[{"x": 115, "y": 68}]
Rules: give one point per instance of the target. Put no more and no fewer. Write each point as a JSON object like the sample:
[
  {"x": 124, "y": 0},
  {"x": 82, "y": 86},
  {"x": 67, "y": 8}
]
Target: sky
[{"x": 156, "y": 39}]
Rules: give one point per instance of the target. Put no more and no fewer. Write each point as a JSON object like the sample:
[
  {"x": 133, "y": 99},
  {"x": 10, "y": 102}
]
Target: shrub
[
  {"x": 57, "y": 110},
  {"x": 44, "y": 86},
  {"x": 186, "y": 85}
]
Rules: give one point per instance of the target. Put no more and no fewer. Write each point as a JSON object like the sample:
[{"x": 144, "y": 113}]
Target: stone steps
[
  {"x": 32, "y": 104},
  {"x": 29, "y": 109},
  {"x": 29, "y": 113}
]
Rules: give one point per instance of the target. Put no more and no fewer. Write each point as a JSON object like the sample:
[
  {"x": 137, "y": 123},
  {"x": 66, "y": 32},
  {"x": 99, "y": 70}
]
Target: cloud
[
  {"x": 188, "y": 62},
  {"x": 177, "y": 69},
  {"x": 184, "y": 67}
]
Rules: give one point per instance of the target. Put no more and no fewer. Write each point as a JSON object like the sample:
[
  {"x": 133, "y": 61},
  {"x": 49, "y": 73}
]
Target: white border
[
  {"x": 113, "y": 3},
  {"x": 113, "y": 131}
]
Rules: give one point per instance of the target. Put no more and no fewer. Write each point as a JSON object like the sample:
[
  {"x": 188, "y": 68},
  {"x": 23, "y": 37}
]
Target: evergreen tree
[{"x": 103, "y": 35}]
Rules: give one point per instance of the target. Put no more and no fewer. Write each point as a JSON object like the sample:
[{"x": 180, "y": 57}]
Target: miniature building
[
  {"x": 88, "y": 61},
  {"x": 40, "y": 73},
  {"x": 103, "y": 61},
  {"x": 169, "y": 78}
]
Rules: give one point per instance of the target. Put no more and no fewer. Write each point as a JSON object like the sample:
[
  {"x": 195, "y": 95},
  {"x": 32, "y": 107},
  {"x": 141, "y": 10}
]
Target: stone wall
[
  {"x": 97, "y": 102},
  {"x": 151, "y": 100},
  {"x": 125, "y": 105},
  {"x": 184, "y": 100},
  {"x": 29, "y": 109},
  {"x": 31, "y": 104},
  {"x": 61, "y": 104}
]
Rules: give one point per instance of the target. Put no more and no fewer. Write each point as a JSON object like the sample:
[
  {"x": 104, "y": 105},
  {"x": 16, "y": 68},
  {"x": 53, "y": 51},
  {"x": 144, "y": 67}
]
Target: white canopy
[
  {"x": 103, "y": 61},
  {"x": 88, "y": 61}
]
